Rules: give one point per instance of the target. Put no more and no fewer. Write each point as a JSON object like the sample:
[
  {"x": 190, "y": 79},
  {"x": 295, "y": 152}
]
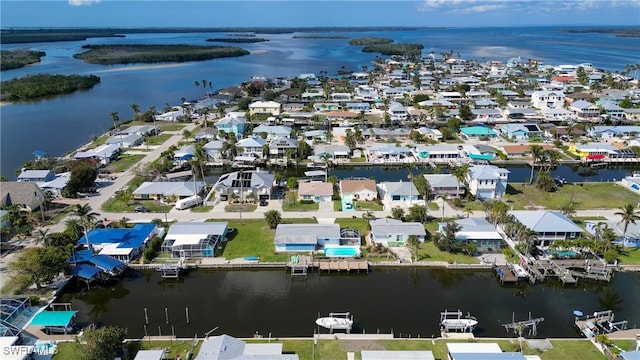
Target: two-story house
[
  {"x": 487, "y": 181},
  {"x": 265, "y": 107},
  {"x": 547, "y": 99},
  {"x": 251, "y": 146},
  {"x": 233, "y": 122}
]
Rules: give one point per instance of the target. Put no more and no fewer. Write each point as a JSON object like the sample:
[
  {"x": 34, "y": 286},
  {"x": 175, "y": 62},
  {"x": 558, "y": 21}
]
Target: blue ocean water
[{"x": 61, "y": 124}]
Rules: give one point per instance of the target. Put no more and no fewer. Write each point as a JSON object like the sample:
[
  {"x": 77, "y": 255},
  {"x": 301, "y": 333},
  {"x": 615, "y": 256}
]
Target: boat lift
[{"x": 518, "y": 326}]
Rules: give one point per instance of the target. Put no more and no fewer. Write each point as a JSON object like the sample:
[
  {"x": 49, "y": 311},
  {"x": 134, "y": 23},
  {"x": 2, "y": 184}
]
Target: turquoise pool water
[
  {"x": 341, "y": 252},
  {"x": 561, "y": 254}
]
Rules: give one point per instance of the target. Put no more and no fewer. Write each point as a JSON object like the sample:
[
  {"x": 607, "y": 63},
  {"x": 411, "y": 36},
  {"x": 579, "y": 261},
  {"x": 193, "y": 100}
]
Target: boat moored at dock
[
  {"x": 336, "y": 321},
  {"x": 456, "y": 321}
]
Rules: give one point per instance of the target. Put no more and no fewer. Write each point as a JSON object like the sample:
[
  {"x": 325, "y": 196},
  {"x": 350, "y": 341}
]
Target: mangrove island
[
  {"x": 41, "y": 85},
  {"x": 127, "y": 54},
  {"x": 15, "y": 59}
]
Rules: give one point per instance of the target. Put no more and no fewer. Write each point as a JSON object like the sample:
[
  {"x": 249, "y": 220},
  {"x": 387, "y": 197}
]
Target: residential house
[
  {"x": 184, "y": 153},
  {"x": 477, "y": 231},
  {"x": 547, "y": 225},
  {"x": 338, "y": 115},
  {"x": 397, "y": 192},
  {"x": 194, "y": 239},
  {"x": 27, "y": 195},
  {"x": 225, "y": 347},
  {"x": 522, "y": 150},
  {"x": 264, "y": 107},
  {"x": 213, "y": 149},
  {"x": 272, "y": 131},
  {"x": 315, "y": 135},
  {"x": 578, "y": 96},
  {"x": 316, "y": 191},
  {"x": 556, "y": 114},
  {"x": 335, "y": 152},
  {"x": 389, "y": 153},
  {"x": 396, "y": 354},
  {"x": 312, "y": 95},
  {"x": 289, "y": 107},
  {"x": 547, "y": 99},
  {"x": 516, "y": 131},
  {"x": 253, "y": 146},
  {"x": 124, "y": 244},
  {"x": 599, "y": 151},
  {"x": 585, "y": 110},
  {"x": 431, "y": 134},
  {"x": 232, "y": 122},
  {"x": 305, "y": 237},
  {"x": 397, "y": 112},
  {"x": 452, "y": 96},
  {"x": 340, "y": 97},
  {"x": 487, "y": 181},
  {"x": 207, "y": 134},
  {"x": 480, "y": 351},
  {"x": 142, "y": 130},
  {"x": 358, "y": 190},
  {"x": 168, "y": 189},
  {"x": 358, "y": 106},
  {"x": 366, "y": 93},
  {"x": 176, "y": 113},
  {"x": 103, "y": 154},
  {"x": 37, "y": 176},
  {"x": 391, "y": 232},
  {"x": 437, "y": 154},
  {"x": 488, "y": 115},
  {"x": 278, "y": 147},
  {"x": 255, "y": 184},
  {"x": 125, "y": 140},
  {"x": 614, "y": 131},
  {"x": 476, "y": 132},
  {"x": 612, "y": 110},
  {"x": 485, "y": 104},
  {"x": 441, "y": 184},
  {"x": 325, "y": 106}
]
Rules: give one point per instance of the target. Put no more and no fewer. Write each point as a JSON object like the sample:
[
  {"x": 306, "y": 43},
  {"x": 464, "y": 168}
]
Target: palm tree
[
  {"x": 205, "y": 112},
  {"x": 461, "y": 176},
  {"x": 87, "y": 218},
  {"x": 410, "y": 167},
  {"x": 136, "y": 110},
  {"x": 628, "y": 216},
  {"x": 468, "y": 210},
  {"x": 326, "y": 158},
  {"x": 42, "y": 236},
  {"x": 73, "y": 227},
  {"x": 536, "y": 154}
]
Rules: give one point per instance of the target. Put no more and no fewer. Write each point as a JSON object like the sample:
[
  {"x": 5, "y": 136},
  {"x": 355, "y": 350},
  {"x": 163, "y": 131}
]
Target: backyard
[
  {"x": 124, "y": 162},
  {"x": 157, "y": 140}
]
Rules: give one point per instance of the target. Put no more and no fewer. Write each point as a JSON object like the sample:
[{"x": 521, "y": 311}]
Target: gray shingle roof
[{"x": 545, "y": 221}]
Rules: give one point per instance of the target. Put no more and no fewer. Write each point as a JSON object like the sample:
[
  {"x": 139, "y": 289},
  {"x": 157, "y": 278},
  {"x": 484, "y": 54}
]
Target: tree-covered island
[
  {"x": 238, "y": 39},
  {"x": 128, "y": 54},
  {"x": 371, "y": 40},
  {"x": 15, "y": 59},
  {"x": 322, "y": 37},
  {"x": 394, "y": 49},
  {"x": 41, "y": 85}
]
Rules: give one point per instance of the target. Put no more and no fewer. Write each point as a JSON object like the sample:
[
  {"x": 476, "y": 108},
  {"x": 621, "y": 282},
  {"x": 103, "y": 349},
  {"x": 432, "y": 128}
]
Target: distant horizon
[{"x": 317, "y": 13}]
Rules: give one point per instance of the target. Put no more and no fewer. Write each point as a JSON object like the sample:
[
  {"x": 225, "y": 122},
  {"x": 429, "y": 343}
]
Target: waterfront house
[
  {"x": 167, "y": 189},
  {"x": 316, "y": 191},
  {"x": 233, "y": 122},
  {"x": 477, "y": 231},
  {"x": 292, "y": 106},
  {"x": 252, "y": 146},
  {"x": 393, "y": 193},
  {"x": 184, "y": 153},
  {"x": 142, "y": 130},
  {"x": 245, "y": 185},
  {"x": 440, "y": 184},
  {"x": 315, "y": 135},
  {"x": 548, "y": 225},
  {"x": 547, "y": 99},
  {"x": 397, "y": 112},
  {"x": 612, "y": 110},
  {"x": 389, "y": 154},
  {"x": 437, "y": 154},
  {"x": 340, "y": 97},
  {"x": 522, "y": 150},
  {"x": 358, "y": 106},
  {"x": 305, "y": 237},
  {"x": 103, "y": 154},
  {"x": 632, "y": 236},
  {"x": 312, "y": 95},
  {"x": 37, "y": 176},
  {"x": 595, "y": 151},
  {"x": 271, "y": 131},
  {"x": 335, "y": 152},
  {"x": 225, "y": 347},
  {"x": 392, "y": 232},
  {"x": 27, "y": 195},
  {"x": 207, "y": 134},
  {"x": 514, "y": 131},
  {"x": 56, "y": 185},
  {"x": 358, "y": 189},
  {"x": 124, "y": 244},
  {"x": 486, "y": 115},
  {"x": 480, "y": 351},
  {"x": 487, "y": 181},
  {"x": 264, "y": 107},
  {"x": 194, "y": 239},
  {"x": 614, "y": 131},
  {"x": 326, "y": 106},
  {"x": 476, "y": 132},
  {"x": 213, "y": 149},
  {"x": 125, "y": 140},
  {"x": 278, "y": 146},
  {"x": 176, "y": 113}
]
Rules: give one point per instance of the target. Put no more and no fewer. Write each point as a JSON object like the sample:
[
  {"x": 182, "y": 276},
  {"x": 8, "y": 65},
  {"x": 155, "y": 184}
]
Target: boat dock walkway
[
  {"x": 603, "y": 322},
  {"x": 505, "y": 274},
  {"x": 567, "y": 271},
  {"x": 300, "y": 265}
]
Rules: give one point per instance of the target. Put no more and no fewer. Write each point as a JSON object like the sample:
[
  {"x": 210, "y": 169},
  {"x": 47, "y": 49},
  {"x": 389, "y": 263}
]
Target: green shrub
[{"x": 306, "y": 202}]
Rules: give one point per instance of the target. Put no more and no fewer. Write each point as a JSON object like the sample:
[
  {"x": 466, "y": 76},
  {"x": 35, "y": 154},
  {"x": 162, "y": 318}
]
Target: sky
[{"x": 316, "y": 13}]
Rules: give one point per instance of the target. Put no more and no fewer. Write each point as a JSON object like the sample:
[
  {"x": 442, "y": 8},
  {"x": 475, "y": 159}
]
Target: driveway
[{"x": 326, "y": 206}]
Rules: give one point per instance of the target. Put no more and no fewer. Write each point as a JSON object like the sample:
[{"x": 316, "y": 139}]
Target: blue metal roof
[
  {"x": 85, "y": 271},
  {"x": 105, "y": 262},
  {"x": 127, "y": 238},
  {"x": 80, "y": 256}
]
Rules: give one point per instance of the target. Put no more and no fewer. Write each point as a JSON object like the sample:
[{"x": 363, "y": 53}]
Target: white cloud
[
  {"x": 480, "y": 6},
  {"x": 83, "y": 2}
]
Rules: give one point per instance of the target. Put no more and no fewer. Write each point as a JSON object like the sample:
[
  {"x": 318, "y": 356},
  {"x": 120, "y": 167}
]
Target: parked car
[{"x": 141, "y": 209}]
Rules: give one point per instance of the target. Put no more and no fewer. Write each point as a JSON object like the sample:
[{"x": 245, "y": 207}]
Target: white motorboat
[
  {"x": 336, "y": 321},
  {"x": 519, "y": 271},
  {"x": 455, "y": 321}
]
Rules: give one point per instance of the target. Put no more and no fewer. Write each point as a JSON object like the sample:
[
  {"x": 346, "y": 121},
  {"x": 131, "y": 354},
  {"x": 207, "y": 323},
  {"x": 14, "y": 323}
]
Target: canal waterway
[
  {"x": 60, "y": 124},
  {"x": 407, "y": 301}
]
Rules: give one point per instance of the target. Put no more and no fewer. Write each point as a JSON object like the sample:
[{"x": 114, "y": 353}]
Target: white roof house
[
  {"x": 104, "y": 153},
  {"x": 36, "y": 175},
  {"x": 392, "y": 232},
  {"x": 159, "y": 189},
  {"x": 264, "y": 107},
  {"x": 125, "y": 140},
  {"x": 254, "y": 182},
  {"x": 305, "y": 237},
  {"x": 394, "y": 191},
  {"x": 476, "y": 348},
  {"x": 150, "y": 355},
  {"x": 194, "y": 239}
]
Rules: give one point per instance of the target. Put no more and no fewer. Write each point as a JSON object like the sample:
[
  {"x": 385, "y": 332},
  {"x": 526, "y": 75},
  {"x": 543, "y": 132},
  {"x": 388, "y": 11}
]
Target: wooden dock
[
  {"x": 505, "y": 275},
  {"x": 302, "y": 264},
  {"x": 344, "y": 265}
]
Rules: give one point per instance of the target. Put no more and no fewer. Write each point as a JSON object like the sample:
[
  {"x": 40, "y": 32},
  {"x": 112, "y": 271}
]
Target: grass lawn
[
  {"x": 171, "y": 127},
  {"x": 99, "y": 141},
  {"x": 124, "y": 162},
  {"x": 433, "y": 206},
  {"x": 585, "y": 196},
  {"x": 429, "y": 252},
  {"x": 298, "y": 206},
  {"x": 359, "y": 224},
  {"x": 337, "y": 205},
  {"x": 117, "y": 205},
  {"x": 252, "y": 238},
  {"x": 240, "y": 207},
  {"x": 158, "y": 139},
  {"x": 632, "y": 257},
  {"x": 73, "y": 350},
  {"x": 369, "y": 205}
]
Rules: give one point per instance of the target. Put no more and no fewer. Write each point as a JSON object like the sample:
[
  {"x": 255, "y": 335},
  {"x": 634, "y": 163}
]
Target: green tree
[
  {"x": 273, "y": 218},
  {"x": 87, "y": 219},
  {"x": 465, "y": 112},
  {"x": 83, "y": 176},
  {"x": 73, "y": 227},
  {"x": 460, "y": 174},
  {"x": 536, "y": 154},
  {"x": 581, "y": 76},
  {"x": 136, "y": 111},
  {"x": 414, "y": 245},
  {"x": 292, "y": 182},
  {"x": 397, "y": 213},
  {"x": 545, "y": 182},
  {"x": 40, "y": 264},
  {"x": 628, "y": 215},
  {"x": 350, "y": 140},
  {"x": 417, "y": 213},
  {"x": 103, "y": 343}
]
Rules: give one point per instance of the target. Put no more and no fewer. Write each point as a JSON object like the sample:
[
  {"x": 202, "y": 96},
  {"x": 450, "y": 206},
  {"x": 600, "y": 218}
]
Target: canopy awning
[
  {"x": 595, "y": 157},
  {"x": 85, "y": 271},
  {"x": 53, "y": 318}
]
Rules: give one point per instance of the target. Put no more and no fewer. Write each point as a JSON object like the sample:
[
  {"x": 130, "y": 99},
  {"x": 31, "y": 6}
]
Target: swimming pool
[
  {"x": 341, "y": 252},
  {"x": 563, "y": 254}
]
